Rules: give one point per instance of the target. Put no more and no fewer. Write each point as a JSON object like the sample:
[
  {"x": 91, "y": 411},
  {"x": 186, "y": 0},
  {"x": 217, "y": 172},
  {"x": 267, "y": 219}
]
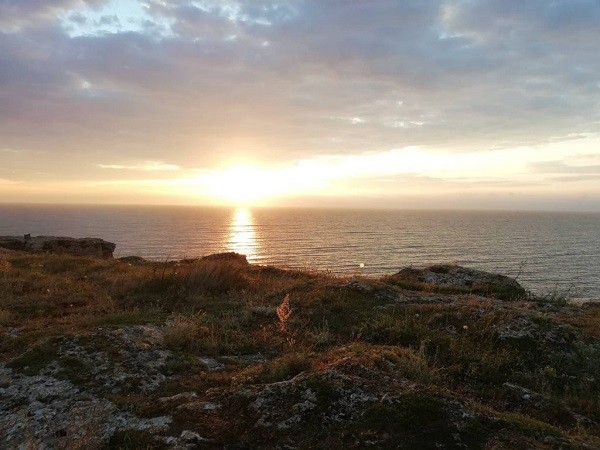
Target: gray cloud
[
  {"x": 575, "y": 178},
  {"x": 271, "y": 79}
]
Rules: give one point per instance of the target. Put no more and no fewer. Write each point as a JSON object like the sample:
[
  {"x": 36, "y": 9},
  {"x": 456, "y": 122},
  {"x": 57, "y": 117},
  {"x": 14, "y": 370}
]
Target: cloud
[
  {"x": 207, "y": 83},
  {"x": 16, "y": 15},
  {"x": 385, "y": 62},
  {"x": 394, "y": 172},
  {"x": 562, "y": 167},
  {"x": 576, "y": 178},
  {"x": 6, "y": 181},
  {"x": 150, "y": 166}
]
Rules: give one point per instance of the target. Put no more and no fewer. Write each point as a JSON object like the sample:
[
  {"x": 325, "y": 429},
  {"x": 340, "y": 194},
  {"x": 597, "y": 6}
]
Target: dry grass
[{"x": 284, "y": 311}]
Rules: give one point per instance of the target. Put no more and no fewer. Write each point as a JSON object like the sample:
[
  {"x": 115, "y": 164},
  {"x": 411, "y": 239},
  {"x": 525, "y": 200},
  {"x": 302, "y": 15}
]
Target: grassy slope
[{"x": 525, "y": 374}]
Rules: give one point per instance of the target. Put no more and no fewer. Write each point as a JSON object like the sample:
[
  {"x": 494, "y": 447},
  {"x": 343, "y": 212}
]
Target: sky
[{"x": 454, "y": 104}]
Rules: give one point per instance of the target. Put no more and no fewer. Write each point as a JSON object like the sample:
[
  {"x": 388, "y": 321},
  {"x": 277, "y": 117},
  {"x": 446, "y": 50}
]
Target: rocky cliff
[
  {"x": 95, "y": 247},
  {"x": 198, "y": 353}
]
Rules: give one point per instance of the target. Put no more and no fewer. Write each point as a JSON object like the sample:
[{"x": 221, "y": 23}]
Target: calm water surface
[{"x": 548, "y": 251}]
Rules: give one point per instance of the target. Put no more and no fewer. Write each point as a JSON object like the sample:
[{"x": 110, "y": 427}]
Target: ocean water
[{"x": 547, "y": 251}]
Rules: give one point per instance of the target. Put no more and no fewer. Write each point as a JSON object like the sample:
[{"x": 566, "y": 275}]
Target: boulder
[
  {"x": 95, "y": 247},
  {"x": 228, "y": 257},
  {"x": 135, "y": 260},
  {"x": 458, "y": 278}
]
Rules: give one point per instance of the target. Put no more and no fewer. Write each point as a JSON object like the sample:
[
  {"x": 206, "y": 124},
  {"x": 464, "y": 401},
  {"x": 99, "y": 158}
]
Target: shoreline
[{"x": 97, "y": 247}]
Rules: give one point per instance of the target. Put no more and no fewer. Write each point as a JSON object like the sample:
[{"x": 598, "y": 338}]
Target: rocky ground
[
  {"x": 193, "y": 354},
  {"x": 95, "y": 247}
]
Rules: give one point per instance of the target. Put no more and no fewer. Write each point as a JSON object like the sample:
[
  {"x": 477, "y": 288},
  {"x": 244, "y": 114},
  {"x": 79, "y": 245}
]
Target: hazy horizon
[
  {"x": 305, "y": 207},
  {"x": 547, "y": 250},
  {"x": 436, "y": 104}
]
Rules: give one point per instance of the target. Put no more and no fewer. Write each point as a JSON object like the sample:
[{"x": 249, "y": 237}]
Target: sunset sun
[{"x": 240, "y": 185}]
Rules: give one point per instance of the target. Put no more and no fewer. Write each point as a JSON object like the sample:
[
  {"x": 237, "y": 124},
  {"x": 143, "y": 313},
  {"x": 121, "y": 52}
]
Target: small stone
[
  {"x": 263, "y": 310},
  {"x": 155, "y": 423},
  {"x": 200, "y": 406},
  {"x": 212, "y": 364},
  {"x": 191, "y": 437},
  {"x": 183, "y": 396}
]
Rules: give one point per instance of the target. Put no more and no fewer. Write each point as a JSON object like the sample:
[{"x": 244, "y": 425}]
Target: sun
[{"x": 241, "y": 185}]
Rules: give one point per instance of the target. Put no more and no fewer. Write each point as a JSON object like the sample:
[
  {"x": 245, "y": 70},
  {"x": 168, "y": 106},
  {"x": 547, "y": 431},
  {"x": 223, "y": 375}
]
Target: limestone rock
[
  {"x": 132, "y": 260},
  {"x": 229, "y": 257},
  {"x": 95, "y": 247},
  {"x": 462, "y": 278},
  {"x": 44, "y": 412}
]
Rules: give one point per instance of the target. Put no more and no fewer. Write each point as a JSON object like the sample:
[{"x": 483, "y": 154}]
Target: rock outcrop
[
  {"x": 98, "y": 248},
  {"x": 191, "y": 354},
  {"x": 59, "y": 397},
  {"x": 454, "y": 277},
  {"x": 228, "y": 257}
]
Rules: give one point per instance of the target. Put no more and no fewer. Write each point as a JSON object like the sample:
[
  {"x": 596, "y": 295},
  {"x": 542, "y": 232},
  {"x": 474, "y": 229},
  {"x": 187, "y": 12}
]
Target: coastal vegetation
[{"x": 215, "y": 352}]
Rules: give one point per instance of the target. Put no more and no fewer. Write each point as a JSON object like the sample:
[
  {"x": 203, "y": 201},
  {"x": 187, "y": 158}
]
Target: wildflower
[{"x": 284, "y": 311}]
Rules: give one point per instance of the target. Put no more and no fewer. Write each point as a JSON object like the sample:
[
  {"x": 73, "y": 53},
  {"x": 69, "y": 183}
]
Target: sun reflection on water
[{"x": 242, "y": 235}]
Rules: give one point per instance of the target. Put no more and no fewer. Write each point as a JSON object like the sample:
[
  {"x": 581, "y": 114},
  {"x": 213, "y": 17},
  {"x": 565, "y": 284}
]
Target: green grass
[
  {"x": 135, "y": 440},
  {"x": 416, "y": 420},
  {"x": 279, "y": 369},
  {"x": 36, "y": 358},
  {"x": 528, "y": 425},
  {"x": 135, "y": 317}
]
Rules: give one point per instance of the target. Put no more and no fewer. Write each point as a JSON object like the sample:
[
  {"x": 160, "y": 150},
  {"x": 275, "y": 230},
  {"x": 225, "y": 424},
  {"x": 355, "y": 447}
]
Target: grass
[
  {"x": 421, "y": 358},
  {"x": 463, "y": 348},
  {"x": 528, "y": 425},
  {"x": 223, "y": 332},
  {"x": 279, "y": 369},
  {"x": 411, "y": 420},
  {"x": 134, "y": 317},
  {"x": 36, "y": 358},
  {"x": 134, "y": 440},
  {"x": 557, "y": 296}
]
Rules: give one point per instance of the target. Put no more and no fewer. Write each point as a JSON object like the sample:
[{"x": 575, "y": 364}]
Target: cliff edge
[
  {"x": 218, "y": 353},
  {"x": 95, "y": 247}
]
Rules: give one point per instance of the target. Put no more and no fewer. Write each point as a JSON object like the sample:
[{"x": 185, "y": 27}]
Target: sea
[{"x": 549, "y": 253}]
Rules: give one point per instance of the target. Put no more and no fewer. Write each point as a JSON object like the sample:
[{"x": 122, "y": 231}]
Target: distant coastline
[{"x": 550, "y": 252}]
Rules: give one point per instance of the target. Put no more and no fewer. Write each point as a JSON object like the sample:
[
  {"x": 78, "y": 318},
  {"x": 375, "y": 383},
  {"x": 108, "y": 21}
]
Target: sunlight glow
[
  {"x": 254, "y": 185},
  {"x": 240, "y": 185},
  {"x": 242, "y": 236},
  {"x": 404, "y": 171}
]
